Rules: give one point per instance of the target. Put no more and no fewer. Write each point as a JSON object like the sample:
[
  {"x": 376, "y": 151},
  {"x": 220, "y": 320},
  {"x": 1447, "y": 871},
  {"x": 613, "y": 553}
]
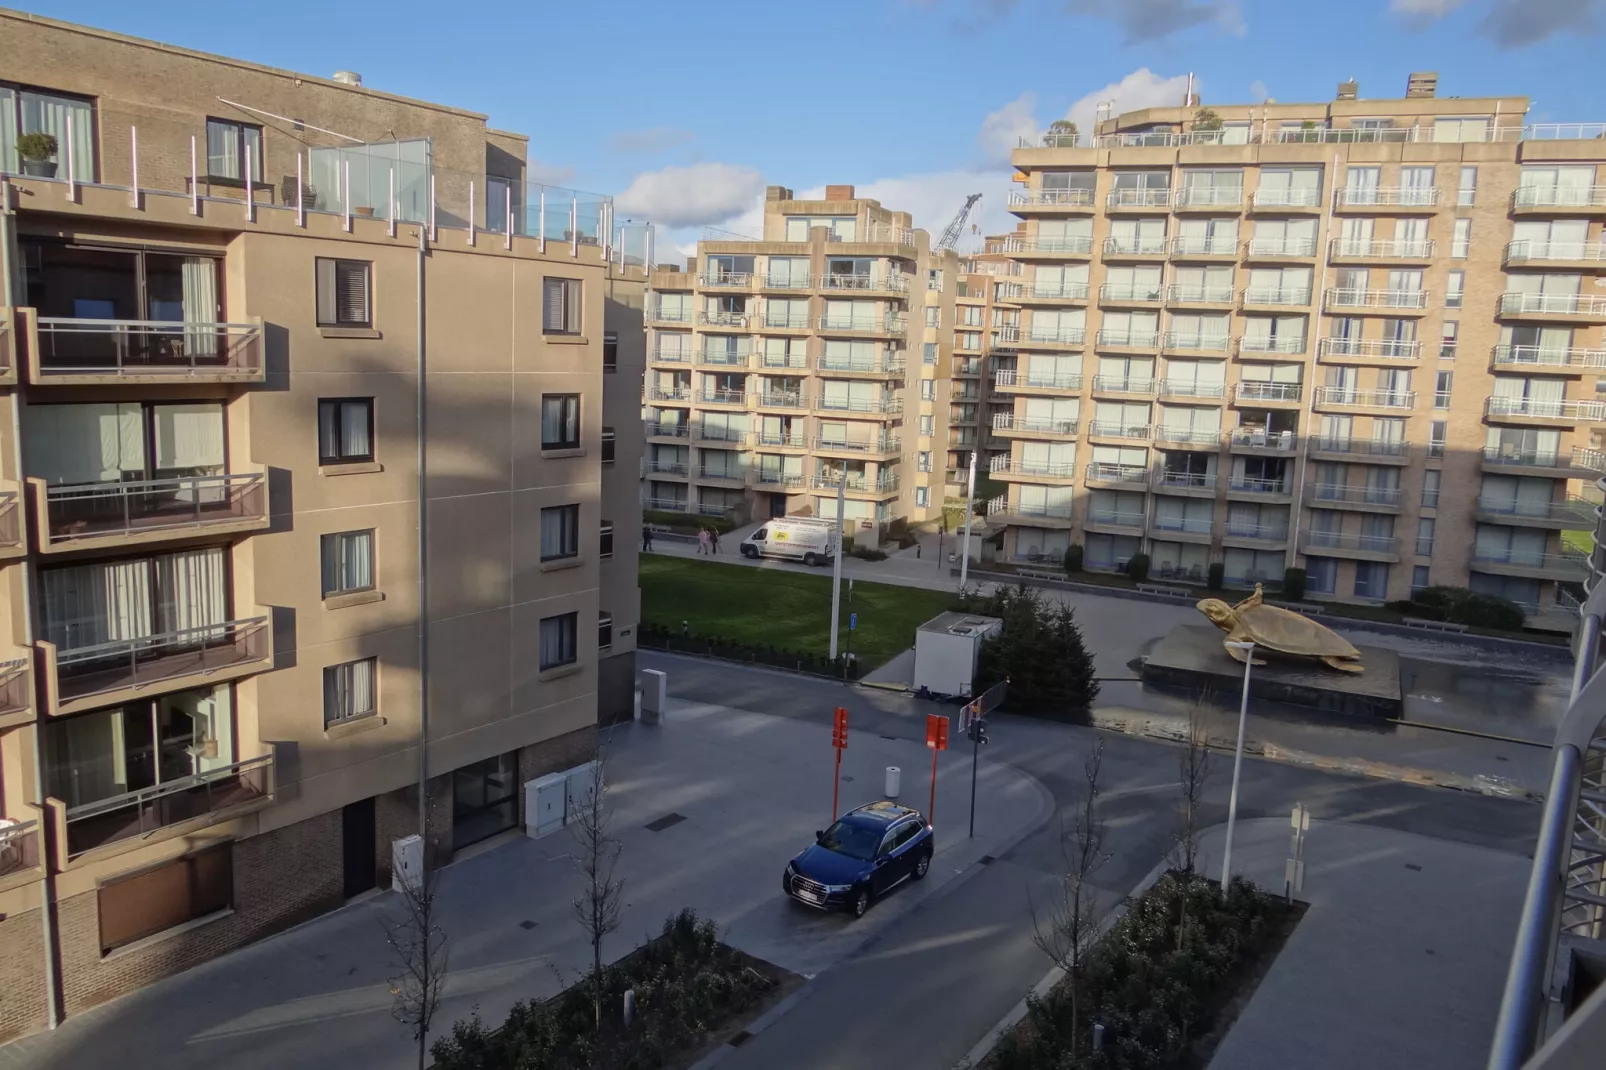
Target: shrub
[
  {"x": 36, "y": 146},
  {"x": 1294, "y": 584},
  {"x": 1461, "y": 606},
  {"x": 691, "y": 522},
  {"x": 1073, "y": 558},
  {"x": 1214, "y": 575},
  {"x": 867, "y": 554},
  {"x": 1039, "y": 650},
  {"x": 1137, "y": 567},
  {"x": 906, "y": 540}
]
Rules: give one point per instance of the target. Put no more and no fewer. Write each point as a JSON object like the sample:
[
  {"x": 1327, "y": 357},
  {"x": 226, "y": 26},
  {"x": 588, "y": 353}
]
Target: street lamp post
[
  {"x": 836, "y": 563},
  {"x": 1248, "y": 651}
]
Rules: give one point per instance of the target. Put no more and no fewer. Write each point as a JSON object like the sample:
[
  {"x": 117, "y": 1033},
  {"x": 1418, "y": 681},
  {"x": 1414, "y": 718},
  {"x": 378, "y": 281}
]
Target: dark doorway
[
  {"x": 484, "y": 799},
  {"x": 777, "y": 505},
  {"x": 358, "y": 840}
]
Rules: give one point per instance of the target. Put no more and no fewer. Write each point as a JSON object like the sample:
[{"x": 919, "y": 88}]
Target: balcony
[
  {"x": 211, "y": 796},
  {"x": 1537, "y": 359},
  {"x": 1122, "y": 248},
  {"x": 1250, "y": 347},
  {"x": 1406, "y": 198},
  {"x": 877, "y": 366},
  {"x": 856, "y": 483},
  {"x": 1537, "y": 410},
  {"x": 1208, "y": 248},
  {"x": 888, "y": 282},
  {"x": 1258, "y": 392},
  {"x": 1177, "y": 481},
  {"x": 781, "y": 399},
  {"x": 1007, "y": 468},
  {"x": 19, "y": 849},
  {"x": 1364, "y": 498},
  {"x": 1280, "y": 248},
  {"x": 1110, "y": 474},
  {"x": 1197, "y": 343},
  {"x": 886, "y": 445},
  {"x": 1280, "y": 200},
  {"x": 1108, "y": 338},
  {"x": 1334, "y": 397},
  {"x": 890, "y": 324},
  {"x": 658, "y": 430},
  {"x": 1259, "y": 489},
  {"x": 1258, "y": 536},
  {"x": 674, "y": 394},
  {"x": 1009, "y": 423},
  {"x": 1576, "y": 463},
  {"x": 787, "y": 440},
  {"x": 714, "y": 358},
  {"x": 1361, "y": 547},
  {"x": 113, "y": 514},
  {"x": 1379, "y": 251},
  {"x": 1117, "y": 294},
  {"x": 731, "y": 280},
  {"x": 1585, "y": 255},
  {"x": 1191, "y": 388},
  {"x": 1260, "y": 440},
  {"x": 776, "y": 320},
  {"x": 1010, "y": 381},
  {"x": 723, "y": 397},
  {"x": 80, "y": 678},
  {"x": 1199, "y": 295},
  {"x": 796, "y": 280},
  {"x": 666, "y": 468},
  {"x": 1276, "y": 297},
  {"x": 1395, "y": 300},
  {"x": 670, "y": 355},
  {"x": 1039, "y": 335},
  {"x": 16, "y": 690},
  {"x": 1367, "y": 351},
  {"x": 67, "y": 351},
  {"x": 1115, "y": 520},
  {"x": 710, "y": 433},
  {"x": 1566, "y": 565},
  {"x": 1049, "y": 248},
  {"x": 1576, "y": 514},
  {"x": 1207, "y": 199},
  {"x": 1543, "y": 200},
  {"x": 12, "y": 541},
  {"x": 8, "y": 346},
  {"x": 1140, "y": 385},
  {"x": 1377, "y": 451},
  {"x": 1587, "y": 307},
  {"x": 769, "y": 477},
  {"x": 659, "y": 314},
  {"x": 879, "y": 406},
  {"x": 967, "y": 367},
  {"x": 1138, "y": 198},
  {"x": 1050, "y": 200},
  {"x": 1192, "y": 437},
  {"x": 1069, "y": 291},
  {"x": 736, "y": 321},
  {"x": 720, "y": 474},
  {"x": 1123, "y": 431}
]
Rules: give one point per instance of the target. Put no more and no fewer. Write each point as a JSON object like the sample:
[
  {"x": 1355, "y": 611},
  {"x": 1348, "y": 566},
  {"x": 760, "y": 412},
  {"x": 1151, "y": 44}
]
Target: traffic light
[{"x": 978, "y": 732}]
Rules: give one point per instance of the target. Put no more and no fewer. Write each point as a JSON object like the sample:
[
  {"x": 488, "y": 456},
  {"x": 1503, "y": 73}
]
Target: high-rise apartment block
[
  {"x": 289, "y": 366},
  {"x": 1362, "y": 338},
  {"x": 780, "y": 368}
]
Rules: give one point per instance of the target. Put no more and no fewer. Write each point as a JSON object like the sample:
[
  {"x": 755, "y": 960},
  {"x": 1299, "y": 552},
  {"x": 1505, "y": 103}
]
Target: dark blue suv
[{"x": 865, "y": 854}]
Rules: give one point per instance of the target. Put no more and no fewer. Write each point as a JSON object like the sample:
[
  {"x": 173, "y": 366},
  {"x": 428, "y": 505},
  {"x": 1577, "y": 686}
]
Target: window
[
  {"x": 1321, "y": 575},
  {"x": 348, "y": 562},
  {"x": 928, "y": 389},
  {"x": 1447, "y": 339},
  {"x": 560, "y": 306},
  {"x": 929, "y": 353},
  {"x": 1468, "y": 192},
  {"x": 923, "y": 461},
  {"x": 609, "y": 445},
  {"x": 29, "y": 111},
  {"x": 1424, "y": 537},
  {"x": 605, "y": 631},
  {"x": 227, "y": 144},
  {"x": 921, "y": 497},
  {"x": 560, "y": 532},
  {"x": 932, "y": 314},
  {"x": 1430, "y": 488},
  {"x": 560, "y": 421},
  {"x": 1459, "y": 128},
  {"x": 1419, "y": 579},
  {"x": 925, "y": 425},
  {"x": 1436, "y": 438},
  {"x": 610, "y": 351},
  {"x": 1454, "y": 289},
  {"x": 1461, "y": 239},
  {"x": 1441, "y": 390},
  {"x": 605, "y": 540},
  {"x": 343, "y": 293},
  {"x": 1371, "y": 579},
  {"x": 345, "y": 430},
  {"x": 349, "y": 691},
  {"x": 558, "y": 641},
  {"x": 157, "y": 899}
]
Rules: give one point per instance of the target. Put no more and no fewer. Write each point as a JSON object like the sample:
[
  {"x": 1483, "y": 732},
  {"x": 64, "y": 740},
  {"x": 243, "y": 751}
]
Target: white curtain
[
  {"x": 189, "y": 438},
  {"x": 46, "y": 113},
  {"x": 557, "y": 641},
  {"x": 70, "y": 445},
  {"x": 348, "y": 561},
  {"x": 8, "y": 131},
  {"x": 193, "y": 595},
  {"x": 354, "y": 429},
  {"x": 87, "y": 605},
  {"x": 200, "y": 306},
  {"x": 348, "y": 690}
]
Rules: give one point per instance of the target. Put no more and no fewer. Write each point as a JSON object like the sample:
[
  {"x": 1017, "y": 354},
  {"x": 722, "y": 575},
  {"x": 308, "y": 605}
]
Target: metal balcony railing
[
  {"x": 184, "y": 503},
  {"x": 1112, "y": 291},
  {"x": 1052, "y": 512},
  {"x": 723, "y": 397},
  {"x": 1114, "y": 246},
  {"x": 1260, "y": 438},
  {"x": 1037, "y": 380},
  {"x": 1559, "y": 197},
  {"x": 1249, "y": 390},
  {"x": 863, "y": 484},
  {"x": 1257, "y": 485},
  {"x": 19, "y": 847},
  {"x": 1120, "y": 518},
  {"x": 1051, "y": 198},
  {"x": 1378, "y": 348},
  {"x": 796, "y": 280},
  {"x": 1207, "y": 246},
  {"x": 1008, "y": 421},
  {"x": 1111, "y": 472},
  {"x": 1547, "y": 357},
  {"x": 1209, "y": 197},
  {"x": 1068, "y": 291},
  {"x": 874, "y": 365},
  {"x": 1371, "y": 399},
  {"x": 1573, "y": 509},
  {"x": 1138, "y": 198},
  {"x": 705, "y": 471},
  {"x": 675, "y": 355},
  {"x": 1018, "y": 243},
  {"x": 1123, "y": 384},
  {"x": 725, "y": 319},
  {"x": 1114, "y": 429},
  {"x": 135, "y": 348},
  {"x": 778, "y": 320},
  {"x": 876, "y": 405},
  {"x": 1388, "y": 197},
  {"x": 847, "y": 445},
  {"x": 666, "y": 468},
  {"x": 783, "y": 440},
  {"x": 659, "y": 314},
  {"x": 1519, "y": 251},
  {"x": 1545, "y": 409},
  {"x": 725, "y": 358},
  {"x": 1287, "y": 198},
  {"x": 771, "y": 399},
  {"x": 770, "y": 477},
  {"x": 1567, "y": 561},
  {"x": 1191, "y": 388},
  {"x": 740, "y": 279},
  {"x": 795, "y": 361},
  {"x": 889, "y": 282},
  {"x": 1333, "y": 540},
  {"x": 710, "y": 433},
  {"x": 669, "y": 393},
  {"x": 662, "y": 430},
  {"x": 1180, "y": 480},
  {"x": 185, "y": 798},
  {"x": 1522, "y": 304},
  {"x": 1355, "y": 495},
  {"x": 1281, "y": 295},
  {"x": 91, "y": 670},
  {"x": 1343, "y": 297},
  {"x": 1129, "y": 338},
  {"x": 1204, "y": 343},
  {"x": 1380, "y": 250},
  {"x": 1188, "y": 436},
  {"x": 1064, "y": 336},
  {"x": 1198, "y": 295},
  {"x": 1051, "y": 469},
  {"x": 16, "y": 689},
  {"x": 1271, "y": 344},
  {"x": 1258, "y": 532},
  {"x": 860, "y": 325},
  {"x": 1359, "y": 447},
  {"x": 972, "y": 366},
  {"x": 1300, "y": 247}
]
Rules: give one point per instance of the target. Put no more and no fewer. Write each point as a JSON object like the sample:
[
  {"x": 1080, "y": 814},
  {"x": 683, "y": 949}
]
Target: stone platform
[{"x": 1191, "y": 657}]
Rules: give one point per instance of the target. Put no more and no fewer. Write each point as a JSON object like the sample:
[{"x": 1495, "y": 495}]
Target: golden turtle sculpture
[{"x": 1280, "y": 630}]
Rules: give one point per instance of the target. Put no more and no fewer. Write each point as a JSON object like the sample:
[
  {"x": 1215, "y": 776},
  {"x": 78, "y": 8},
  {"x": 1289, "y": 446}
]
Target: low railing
[
  {"x": 135, "y": 348},
  {"x": 1191, "y": 388},
  {"x": 1282, "y": 295},
  {"x": 1379, "y": 348},
  {"x": 1050, "y": 512},
  {"x": 1271, "y": 344},
  {"x": 723, "y": 397},
  {"x": 710, "y": 472},
  {"x": 1569, "y": 561},
  {"x": 1344, "y": 297},
  {"x": 782, "y": 361},
  {"x": 782, "y": 400},
  {"x": 138, "y": 662},
  {"x": 1132, "y": 339},
  {"x": 661, "y": 430},
  {"x": 1069, "y": 291},
  {"x": 876, "y": 405},
  {"x": 855, "y": 325},
  {"x": 888, "y": 234},
  {"x": 669, "y": 393},
  {"x": 1520, "y": 304},
  {"x": 1261, "y": 439},
  {"x": 791, "y": 440},
  {"x": 16, "y": 689},
  {"x": 859, "y": 483},
  {"x": 797, "y": 280},
  {"x": 1111, "y": 291},
  {"x": 719, "y": 434},
  {"x": 1204, "y": 343},
  {"x": 1355, "y": 495},
  {"x": 1112, "y": 472},
  {"x": 1358, "y": 447},
  {"x": 874, "y": 366},
  {"x": 1333, "y": 540},
  {"x": 1559, "y": 197},
  {"x": 971, "y": 366},
  {"x": 1300, "y": 247},
  {"x": 1286, "y": 198},
  {"x": 1134, "y": 246},
  {"x": 1208, "y": 198},
  {"x": 1572, "y": 509},
  {"x": 1018, "y": 243},
  {"x": 1258, "y": 532},
  {"x": 1370, "y": 399},
  {"x": 19, "y": 846},
  {"x": 666, "y": 468},
  {"x": 739, "y": 279},
  {"x": 725, "y": 359},
  {"x": 1359, "y": 249},
  {"x": 1051, "y": 198},
  {"x": 662, "y": 355},
  {"x": 1544, "y": 409},
  {"x": 1258, "y": 485},
  {"x": 1184, "y": 480},
  {"x": 659, "y": 314},
  {"x": 10, "y": 519},
  {"x": 1062, "y": 336},
  {"x": 726, "y": 319},
  {"x": 779, "y": 321},
  {"x": 1118, "y": 518},
  {"x": 1186, "y": 247},
  {"x": 1188, "y": 436},
  {"x": 1577, "y": 459},
  {"x": 1113, "y": 429},
  {"x": 1008, "y": 421},
  {"x": 1388, "y": 197},
  {"x": 186, "y": 502},
  {"x": 1123, "y": 384},
  {"x": 1523, "y": 250},
  {"x": 186, "y": 798},
  {"x": 840, "y": 445},
  {"x": 1138, "y": 198},
  {"x": 1248, "y": 390},
  {"x": 771, "y": 478},
  {"x": 1055, "y": 470},
  {"x": 1547, "y": 357},
  {"x": 1037, "y": 380},
  {"x": 1198, "y": 295},
  {"x": 681, "y": 505}
]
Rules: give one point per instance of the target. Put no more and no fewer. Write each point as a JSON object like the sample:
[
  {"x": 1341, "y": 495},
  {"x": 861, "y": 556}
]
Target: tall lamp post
[{"x": 1248, "y": 651}]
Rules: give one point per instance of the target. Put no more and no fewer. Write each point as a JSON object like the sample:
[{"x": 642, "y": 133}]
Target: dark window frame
[
  {"x": 610, "y": 351},
  {"x": 333, "y": 320},
  {"x": 326, "y": 458},
  {"x": 605, "y": 631},
  {"x": 372, "y": 711},
  {"x": 605, "y": 539},
  {"x": 572, "y": 291},
  {"x": 325, "y": 541},
  {"x": 569, "y": 517},
  {"x": 19, "y": 88},
  {"x": 571, "y": 656},
  {"x": 568, "y": 400},
  {"x": 610, "y": 445},
  {"x": 239, "y": 148}
]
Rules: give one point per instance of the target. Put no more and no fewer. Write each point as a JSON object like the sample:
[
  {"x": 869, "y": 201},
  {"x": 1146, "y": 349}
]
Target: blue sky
[{"x": 685, "y": 110}]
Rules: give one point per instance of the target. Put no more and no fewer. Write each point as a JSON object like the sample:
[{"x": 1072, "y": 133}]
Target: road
[{"x": 966, "y": 957}]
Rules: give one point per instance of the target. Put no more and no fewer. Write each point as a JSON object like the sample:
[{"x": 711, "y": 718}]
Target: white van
[{"x": 799, "y": 538}]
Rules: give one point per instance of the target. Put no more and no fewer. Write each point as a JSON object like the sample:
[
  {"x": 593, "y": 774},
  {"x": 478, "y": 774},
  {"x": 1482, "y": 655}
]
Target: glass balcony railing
[
  {"x": 80, "y": 672},
  {"x": 143, "y": 349},
  {"x": 172, "y": 802},
  {"x": 74, "y": 514}
]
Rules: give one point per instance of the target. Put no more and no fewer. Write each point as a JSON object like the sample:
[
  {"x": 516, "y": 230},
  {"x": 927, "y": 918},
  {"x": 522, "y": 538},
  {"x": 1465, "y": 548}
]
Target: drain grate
[
  {"x": 664, "y": 822},
  {"x": 893, "y": 738},
  {"x": 1413, "y": 867},
  {"x": 527, "y": 924},
  {"x": 739, "y": 1039},
  {"x": 987, "y": 860}
]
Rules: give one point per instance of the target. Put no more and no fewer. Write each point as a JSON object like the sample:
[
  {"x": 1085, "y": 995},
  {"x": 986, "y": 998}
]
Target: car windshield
[{"x": 855, "y": 841}]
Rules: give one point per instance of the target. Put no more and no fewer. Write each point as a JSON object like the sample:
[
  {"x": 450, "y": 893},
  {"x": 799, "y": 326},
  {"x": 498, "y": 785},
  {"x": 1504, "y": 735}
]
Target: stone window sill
[
  {"x": 561, "y": 671},
  {"x": 554, "y": 455},
  {"x": 352, "y": 598},
  {"x": 562, "y": 563},
  {"x": 355, "y": 726},
  {"x": 353, "y": 468},
  {"x": 348, "y": 332},
  {"x": 566, "y": 340}
]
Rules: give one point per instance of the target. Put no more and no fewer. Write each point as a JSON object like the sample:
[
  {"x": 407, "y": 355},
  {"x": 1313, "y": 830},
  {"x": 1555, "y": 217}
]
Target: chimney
[
  {"x": 777, "y": 193},
  {"x": 1348, "y": 90},
  {"x": 1422, "y": 84},
  {"x": 839, "y": 193},
  {"x": 348, "y": 77}
]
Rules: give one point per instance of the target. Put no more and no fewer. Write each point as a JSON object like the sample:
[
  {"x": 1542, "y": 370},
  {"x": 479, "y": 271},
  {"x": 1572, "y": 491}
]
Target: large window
[
  {"x": 153, "y": 900},
  {"x": 350, "y": 691},
  {"x": 30, "y": 111},
  {"x": 81, "y": 281},
  {"x": 348, "y": 562},
  {"x": 560, "y": 421},
  {"x": 610, "y": 351},
  {"x": 112, "y": 442},
  {"x": 228, "y": 143},
  {"x": 560, "y": 532},
  {"x": 183, "y": 597},
  {"x": 344, "y": 293},
  {"x": 345, "y": 430},
  {"x": 560, "y": 306},
  {"x": 558, "y": 641}
]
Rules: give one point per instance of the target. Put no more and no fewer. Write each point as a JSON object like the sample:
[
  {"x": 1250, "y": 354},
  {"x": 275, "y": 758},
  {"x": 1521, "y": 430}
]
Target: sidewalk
[
  {"x": 1398, "y": 963},
  {"x": 751, "y": 790}
]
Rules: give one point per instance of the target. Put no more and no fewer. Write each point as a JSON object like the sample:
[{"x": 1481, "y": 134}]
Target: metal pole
[
  {"x": 250, "y": 192},
  {"x": 931, "y": 808},
  {"x": 390, "y": 206},
  {"x": 975, "y": 754},
  {"x": 836, "y": 782},
  {"x": 421, "y": 460},
  {"x": 301, "y": 200},
  {"x": 1248, "y": 651},
  {"x": 133, "y": 169},
  {"x": 836, "y": 563},
  {"x": 970, "y": 496},
  {"x": 471, "y": 212},
  {"x": 195, "y": 183}
]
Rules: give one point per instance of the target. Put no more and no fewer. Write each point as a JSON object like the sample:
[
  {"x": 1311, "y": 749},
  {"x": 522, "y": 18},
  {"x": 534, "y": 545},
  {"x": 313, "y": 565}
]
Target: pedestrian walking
[
  {"x": 646, "y": 538},
  {"x": 713, "y": 540},
  {"x": 702, "y": 541}
]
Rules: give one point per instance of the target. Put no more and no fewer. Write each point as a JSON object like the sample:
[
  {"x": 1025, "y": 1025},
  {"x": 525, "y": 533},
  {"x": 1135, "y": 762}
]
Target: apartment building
[
  {"x": 1360, "y": 337},
  {"x": 250, "y": 320},
  {"x": 987, "y": 319},
  {"x": 816, "y": 356}
]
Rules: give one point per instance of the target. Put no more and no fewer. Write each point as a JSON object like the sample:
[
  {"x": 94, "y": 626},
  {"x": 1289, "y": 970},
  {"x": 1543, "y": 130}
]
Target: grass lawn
[
  {"x": 1582, "y": 541},
  {"x": 786, "y": 610}
]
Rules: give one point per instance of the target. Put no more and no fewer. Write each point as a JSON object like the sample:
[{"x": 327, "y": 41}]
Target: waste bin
[{"x": 894, "y": 781}]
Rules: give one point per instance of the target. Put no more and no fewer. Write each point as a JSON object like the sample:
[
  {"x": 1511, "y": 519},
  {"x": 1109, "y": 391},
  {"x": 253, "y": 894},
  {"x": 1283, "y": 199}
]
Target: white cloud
[
  {"x": 1140, "y": 89},
  {"x": 1432, "y": 9},
  {"x": 702, "y": 194},
  {"x": 934, "y": 199},
  {"x": 1258, "y": 91},
  {"x": 1002, "y": 130},
  {"x": 1517, "y": 23},
  {"x": 1151, "y": 20},
  {"x": 652, "y": 139}
]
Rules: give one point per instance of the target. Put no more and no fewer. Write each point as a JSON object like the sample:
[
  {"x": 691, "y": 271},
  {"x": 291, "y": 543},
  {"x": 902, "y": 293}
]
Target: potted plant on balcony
[{"x": 37, "y": 150}]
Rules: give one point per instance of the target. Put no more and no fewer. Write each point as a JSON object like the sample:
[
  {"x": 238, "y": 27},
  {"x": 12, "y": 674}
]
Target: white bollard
[
  {"x": 630, "y": 1006},
  {"x": 894, "y": 781}
]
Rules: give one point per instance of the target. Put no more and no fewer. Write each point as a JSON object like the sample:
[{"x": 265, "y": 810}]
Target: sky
[{"x": 685, "y": 111}]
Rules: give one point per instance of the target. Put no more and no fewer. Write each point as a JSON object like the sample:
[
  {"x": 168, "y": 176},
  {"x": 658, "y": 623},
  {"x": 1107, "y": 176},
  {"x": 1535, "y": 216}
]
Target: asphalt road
[{"x": 930, "y": 986}]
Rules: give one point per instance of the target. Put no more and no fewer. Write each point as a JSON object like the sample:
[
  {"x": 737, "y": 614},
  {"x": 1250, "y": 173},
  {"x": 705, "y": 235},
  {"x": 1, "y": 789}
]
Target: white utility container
[
  {"x": 946, "y": 650},
  {"x": 544, "y": 800},
  {"x": 406, "y": 861}
]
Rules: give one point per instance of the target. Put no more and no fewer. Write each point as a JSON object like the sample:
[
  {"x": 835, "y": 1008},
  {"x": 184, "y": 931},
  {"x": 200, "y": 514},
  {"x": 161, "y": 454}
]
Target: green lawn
[
  {"x": 783, "y": 609},
  {"x": 1582, "y": 541}
]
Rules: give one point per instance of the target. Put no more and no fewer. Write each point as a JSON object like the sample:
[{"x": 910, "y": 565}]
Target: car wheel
[
  {"x": 922, "y": 864},
  {"x": 810, "y": 560},
  {"x": 861, "y": 902},
  {"x": 748, "y": 551}
]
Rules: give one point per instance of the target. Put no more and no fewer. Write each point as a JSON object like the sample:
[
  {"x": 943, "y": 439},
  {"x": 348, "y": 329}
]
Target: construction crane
[{"x": 950, "y": 237}]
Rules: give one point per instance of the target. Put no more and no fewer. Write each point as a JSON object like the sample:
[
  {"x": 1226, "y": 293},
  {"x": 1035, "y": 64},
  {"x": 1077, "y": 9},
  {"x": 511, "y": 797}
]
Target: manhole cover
[
  {"x": 664, "y": 822},
  {"x": 847, "y": 780},
  {"x": 1413, "y": 867},
  {"x": 526, "y": 924}
]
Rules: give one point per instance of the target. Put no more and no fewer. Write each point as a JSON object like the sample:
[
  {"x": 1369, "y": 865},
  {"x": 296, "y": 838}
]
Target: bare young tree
[
  {"x": 419, "y": 955},
  {"x": 597, "y": 908},
  {"x": 1193, "y": 767},
  {"x": 1067, "y": 929}
]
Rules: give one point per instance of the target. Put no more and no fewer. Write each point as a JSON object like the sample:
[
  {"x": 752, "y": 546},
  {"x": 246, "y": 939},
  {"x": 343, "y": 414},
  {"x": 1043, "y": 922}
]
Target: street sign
[
  {"x": 853, "y": 621},
  {"x": 839, "y": 729},
  {"x": 1294, "y": 867},
  {"x": 936, "y": 731}
]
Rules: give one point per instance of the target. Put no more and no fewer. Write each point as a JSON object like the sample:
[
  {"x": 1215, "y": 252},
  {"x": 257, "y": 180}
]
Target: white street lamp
[{"x": 1248, "y": 651}]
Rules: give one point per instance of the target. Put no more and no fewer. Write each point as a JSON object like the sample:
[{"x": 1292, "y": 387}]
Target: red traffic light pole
[
  {"x": 839, "y": 741},
  {"x": 937, "y": 740}
]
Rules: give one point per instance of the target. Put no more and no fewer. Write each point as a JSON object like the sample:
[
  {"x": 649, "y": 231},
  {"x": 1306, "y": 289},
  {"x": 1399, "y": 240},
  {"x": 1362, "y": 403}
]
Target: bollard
[
  {"x": 894, "y": 781},
  {"x": 1098, "y": 1036},
  {"x": 630, "y": 1006}
]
